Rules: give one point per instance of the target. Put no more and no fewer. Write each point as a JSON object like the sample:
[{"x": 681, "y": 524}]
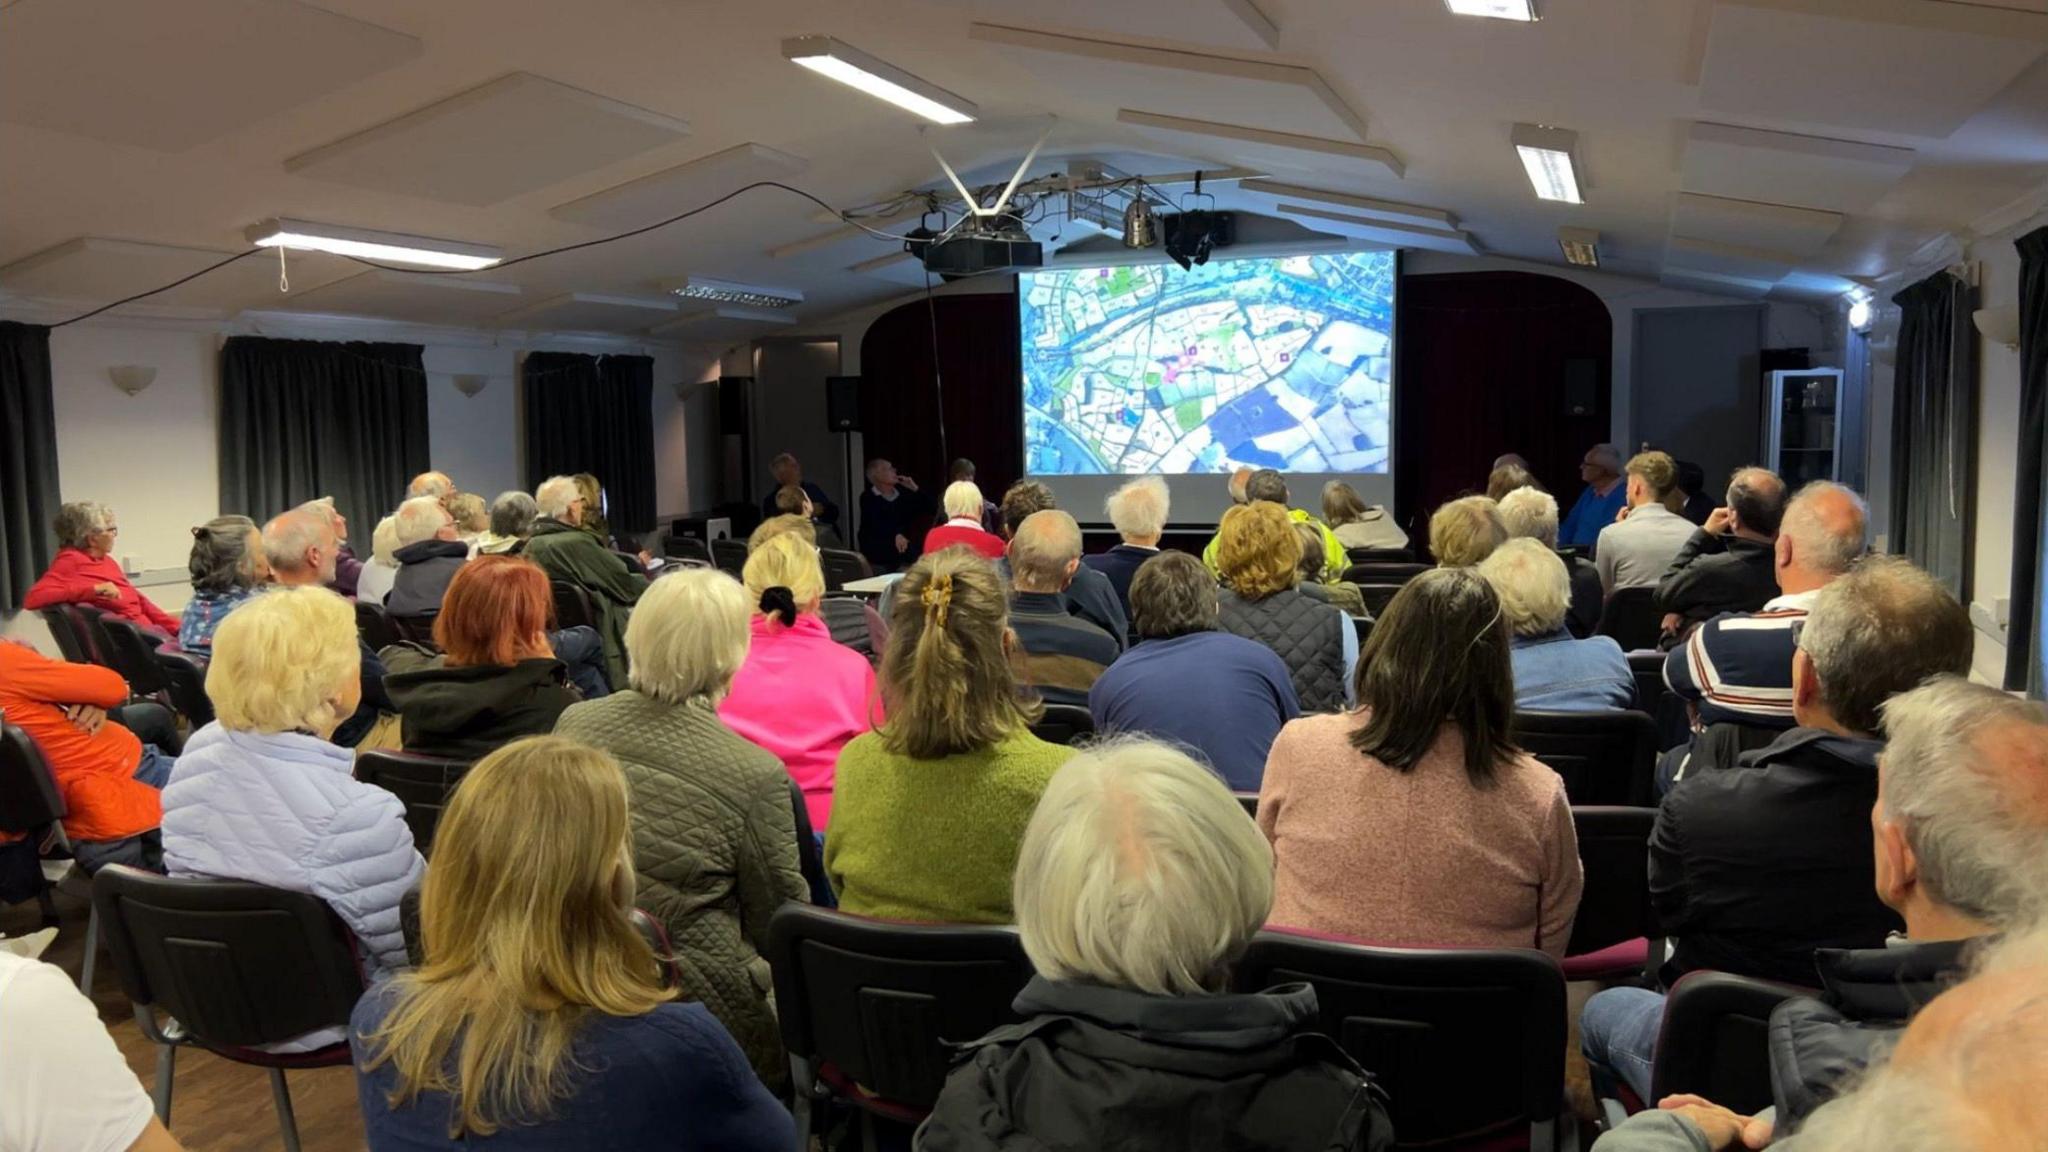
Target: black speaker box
[
  {"x": 842, "y": 403},
  {"x": 1581, "y": 386},
  {"x": 732, "y": 404}
]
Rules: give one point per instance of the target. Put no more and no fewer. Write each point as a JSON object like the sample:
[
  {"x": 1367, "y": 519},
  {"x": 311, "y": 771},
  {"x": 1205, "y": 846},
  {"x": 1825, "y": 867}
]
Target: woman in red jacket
[{"x": 85, "y": 571}]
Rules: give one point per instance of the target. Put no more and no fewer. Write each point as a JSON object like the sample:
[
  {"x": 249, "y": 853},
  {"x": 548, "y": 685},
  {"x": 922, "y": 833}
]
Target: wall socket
[{"x": 129, "y": 566}]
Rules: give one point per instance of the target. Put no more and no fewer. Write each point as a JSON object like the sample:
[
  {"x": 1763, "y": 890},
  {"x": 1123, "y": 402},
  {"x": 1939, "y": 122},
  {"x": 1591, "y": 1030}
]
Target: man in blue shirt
[{"x": 1601, "y": 501}]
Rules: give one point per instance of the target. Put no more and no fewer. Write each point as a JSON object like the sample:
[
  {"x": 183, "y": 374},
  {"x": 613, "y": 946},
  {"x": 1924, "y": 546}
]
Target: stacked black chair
[
  {"x": 375, "y": 627},
  {"x": 70, "y": 642},
  {"x": 134, "y": 657},
  {"x": 421, "y": 783},
  {"x": 1632, "y": 619},
  {"x": 1605, "y": 757},
  {"x": 1064, "y": 724},
  {"x": 573, "y": 607},
  {"x": 1611, "y": 936},
  {"x": 843, "y": 567},
  {"x": 233, "y": 967},
  {"x": 1714, "y": 1042},
  {"x": 90, "y": 623},
  {"x": 730, "y": 555},
  {"x": 185, "y": 681}
]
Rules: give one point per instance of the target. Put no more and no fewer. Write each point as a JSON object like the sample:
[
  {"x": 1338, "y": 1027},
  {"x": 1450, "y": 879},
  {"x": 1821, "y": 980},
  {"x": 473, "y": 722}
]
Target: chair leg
[
  {"x": 92, "y": 952},
  {"x": 166, "y": 1063},
  {"x": 282, "y": 1094},
  {"x": 800, "y": 1098}
]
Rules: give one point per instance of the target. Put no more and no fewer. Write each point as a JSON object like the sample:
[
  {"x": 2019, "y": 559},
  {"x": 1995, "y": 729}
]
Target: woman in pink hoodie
[{"x": 800, "y": 694}]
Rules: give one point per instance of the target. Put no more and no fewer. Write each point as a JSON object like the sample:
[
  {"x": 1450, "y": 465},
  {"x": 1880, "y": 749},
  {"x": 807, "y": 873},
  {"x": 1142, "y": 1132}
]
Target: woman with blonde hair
[
  {"x": 1356, "y": 523},
  {"x": 538, "y": 1019},
  {"x": 472, "y": 518},
  {"x": 930, "y": 807},
  {"x": 713, "y": 822},
  {"x": 1259, "y": 558},
  {"x": 801, "y": 694},
  {"x": 1466, "y": 531}
]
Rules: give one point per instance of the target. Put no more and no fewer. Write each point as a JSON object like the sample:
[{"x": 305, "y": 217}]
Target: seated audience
[
  {"x": 1416, "y": 820},
  {"x": 1466, "y": 531},
  {"x": 539, "y": 1019},
  {"x": 435, "y": 484},
  {"x": 1729, "y": 564},
  {"x": 714, "y": 828},
  {"x": 1090, "y": 596},
  {"x": 496, "y": 677},
  {"x": 890, "y": 513},
  {"x": 471, "y": 520},
  {"x": 1691, "y": 500},
  {"x": 571, "y": 555},
  {"x": 1531, "y": 513},
  {"x": 928, "y": 809},
  {"x": 108, "y": 761},
  {"x": 429, "y": 554},
  {"x": 85, "y": 571},
  {"x": 1190, "y": 683},
  {"x": 64, "y": 1086},
  {"x": 1357, "y": 524},
  {"x": 1508, "y": 475},
  {"x": 1599, "y": 502},
  {"x": 261, "y": 795},
  {"x": 227, "y": 567},
  {"x": 302, "y": 551},
  {"x": 1138, "y": 886},
  {"x": 1138, "y": 512},
  {"x": 852, "y": 621},
  {"x": 373, "y": 583},
  {"x": 512, "y": 516},
  {"x": 789, "y": 473},
  {"x": 800, "y": 694},
  {"x": 347, "y": 569},
  {"x": 1267, "y": 486},
  {"x": 1259, "y": 557},
  {"x": 1057, "y": 654},
  {"x": 991, "y": 516},
  {"x": 1553, "y": 671},
  {"x": 790, "y": 500},
  {"x": 1319, "y": 585},
  {"x": 962, "y": 503},
  {"x": 1635, "y": 551}
]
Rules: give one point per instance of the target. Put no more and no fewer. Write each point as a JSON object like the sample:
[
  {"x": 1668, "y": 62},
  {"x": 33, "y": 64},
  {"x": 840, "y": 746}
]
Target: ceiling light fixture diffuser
[
  {"x": 367, "y": 244},
  {"x": 732, "y": 292},
  {"x": 1581, "y": 246},
  {"x": 1522, "y": 10},
  {"x": 1549, "y": 157},
  {"x": 851, "y": 66}
]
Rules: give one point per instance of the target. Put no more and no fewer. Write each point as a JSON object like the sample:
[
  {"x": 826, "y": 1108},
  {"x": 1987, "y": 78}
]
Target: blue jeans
[
  {"x": 1618, "y": 1034},
  {"x": 155, "y": 768}
]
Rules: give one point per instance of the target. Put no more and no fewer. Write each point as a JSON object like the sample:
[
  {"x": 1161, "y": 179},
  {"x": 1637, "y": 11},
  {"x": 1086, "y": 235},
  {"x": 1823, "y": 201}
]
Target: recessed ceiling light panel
[
  {"x": 1581, "y": 246},
  {"x": 1548, "y": 155},
  {"x": 1523, "y": 10},
  {"x": 732, "y": 292},
  {"x": 851, "y": 66},
  {"x": 368, "y": 244}
]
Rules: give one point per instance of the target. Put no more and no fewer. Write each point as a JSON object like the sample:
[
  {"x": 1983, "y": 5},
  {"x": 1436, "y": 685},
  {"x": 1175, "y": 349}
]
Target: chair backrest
[
  {"x": 842, "y": 567},
  {"x": 1064, "y": 724},
  {"x": 1249, "y": 801},
  {"x": 29, "y": 799},
  {"x": 1378, "y": 596},
  {"x": 1715, "y": 1039},
  {"x": 1648, "y": 670},
  {"x": 375, "y": 627},
  {"x": 573, "y": 608},
  {"x": 1380, "y": 555},
  {"x": 686, "y": 548},
  {"x": 1631, "y": 617},
  {"x": 236, "y": 964},
  {"x": 1393, "y": 572},
  {"x": 70, "y": 644},
  {"x": 185, "y": 677},
  {"x": 730, "y": 555},
  {"x": 1606, "y": 757},
  {"x": 134, "y": 657},
  {"x": 417, "y": 629},
  {"x": 846, "y": 617},
  {"x": 421, "y": 783},
  {"x": 90, "y": 625},
  {"x": 1614, "y": 847},
  {"x": 880, "y": 1002},
  {"x": 1467, "y": 1042}
]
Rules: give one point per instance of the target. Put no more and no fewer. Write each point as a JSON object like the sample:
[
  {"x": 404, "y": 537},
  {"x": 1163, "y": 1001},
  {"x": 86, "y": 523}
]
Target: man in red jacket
[{"x": 85, "y": 571}]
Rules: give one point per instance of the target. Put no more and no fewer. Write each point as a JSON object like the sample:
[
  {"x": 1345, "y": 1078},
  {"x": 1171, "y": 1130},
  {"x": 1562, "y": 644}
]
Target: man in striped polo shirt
[{"x": 1735, "y": 671}]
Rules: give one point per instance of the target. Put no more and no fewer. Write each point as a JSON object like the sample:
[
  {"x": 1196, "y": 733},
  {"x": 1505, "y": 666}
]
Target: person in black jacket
[
  {"x": 789, "y": 473},
  {"x": 1753, "y": 868},
  {"x": 891, "y": 512},
  {"x": 1139, "y": 882},
  {"x": 429, "y": 555},
  {"x": 1091, "y": 596},
  {"x": 1730, "y": 563}
]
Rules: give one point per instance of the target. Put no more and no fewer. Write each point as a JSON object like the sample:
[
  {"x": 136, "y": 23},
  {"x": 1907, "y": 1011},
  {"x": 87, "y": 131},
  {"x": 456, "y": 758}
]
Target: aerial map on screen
[{"x": 1282, "y": 363}]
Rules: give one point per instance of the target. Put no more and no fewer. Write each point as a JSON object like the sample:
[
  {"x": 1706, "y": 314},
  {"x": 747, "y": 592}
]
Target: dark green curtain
[
  {"x": 1934, "y": 429},
  {"x": 594, "y": 414},
  {"x": 307, "y": 418},
  {"x": 28, "y": 459},
  {"x": 2025, "y": 647}
]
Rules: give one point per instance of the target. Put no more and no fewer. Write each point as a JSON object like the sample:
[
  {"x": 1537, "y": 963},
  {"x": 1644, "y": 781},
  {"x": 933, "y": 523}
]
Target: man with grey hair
[
  {"x": 1599, "y": 503},
  {"x": 1058, "y": 653},
  {"x": 435, "y": 484},
  {"x": 348, "y": 571},
  {"x": 1138, "y": 511},
  {"x": 1728, "y": 844},
  {"x": 788, "y": 472},
  {"x": 1090, "y": 596},
  {"x": 429, "y": 554},
  {"x": 512, "y": 516},
  {"x": 1729, "y": 564},
  {"x": 301, "y": 547},
  {"x": 569, "y": 554}
]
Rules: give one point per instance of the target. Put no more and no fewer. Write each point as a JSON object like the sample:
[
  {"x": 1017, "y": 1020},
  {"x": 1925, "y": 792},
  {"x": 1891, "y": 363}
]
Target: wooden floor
[{"x": 216, "y": 1105}]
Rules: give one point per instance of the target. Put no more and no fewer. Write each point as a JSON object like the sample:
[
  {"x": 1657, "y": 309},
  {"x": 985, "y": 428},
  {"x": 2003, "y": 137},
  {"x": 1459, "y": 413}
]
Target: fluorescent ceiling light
[
  {"x": 365, "y": 244},
  {"x": 1547, "y": 155},
  {"x": 829, "y": 57},
  {"x": 1581, "y": 246},
  {"x": 732, "y": 292},
  {"x": 1524, "y": 10}
]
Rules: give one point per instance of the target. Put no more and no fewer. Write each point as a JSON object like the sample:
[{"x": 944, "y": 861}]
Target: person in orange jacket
[{"x": 85, "y": 571}]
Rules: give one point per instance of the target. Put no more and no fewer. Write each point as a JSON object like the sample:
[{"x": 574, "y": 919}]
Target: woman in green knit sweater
[{"x": 929, "y": 810}]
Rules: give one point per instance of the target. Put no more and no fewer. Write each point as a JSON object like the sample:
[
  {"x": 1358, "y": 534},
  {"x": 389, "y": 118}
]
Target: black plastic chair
[
  {"x": 1611, "y": 936},
  {"x": 417, "y": 629},
  {"x": 868, "y": 1008},
  {"x": 1715, "y": 1039},
  {"x": 70, "y": 643},
  {"x": 234, "y": 967},
  {"x": 1380, "y": 555},
  {"x": 30, "y": 803},
  {"x": 687, "y": 549},
  {"x": 421, "y": 783},
  {"x": 375, "y": 627},
  {"x": 573, "y": 608},
  {"x": 843, "y": 567},
  {"x": 1064, "y": 724},
  {"x": 185, "y": 678},
  {"x": 1389, "y": 572},
  {"x": 1632, "y": 619},
  {"x": 1249, "y": 801},
  {"x": 1605, "y": 757},
  {"x": 1378, "y": 596},
  {"x": 134, "y": 656},
  {"x": 91, "y": 624},
  {"x": 1469, "y": 1043},
  {"x": 1648, "y": 669},
  {"x": 730, "y": 555}
]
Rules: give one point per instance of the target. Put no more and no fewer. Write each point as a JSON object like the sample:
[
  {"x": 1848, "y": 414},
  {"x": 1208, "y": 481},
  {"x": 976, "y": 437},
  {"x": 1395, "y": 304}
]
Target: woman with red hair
[{"x": 497, "y": 677}]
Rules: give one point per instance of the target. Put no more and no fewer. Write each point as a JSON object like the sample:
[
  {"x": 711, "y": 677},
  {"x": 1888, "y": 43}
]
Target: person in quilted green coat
[{"x": 714, "y": 821}]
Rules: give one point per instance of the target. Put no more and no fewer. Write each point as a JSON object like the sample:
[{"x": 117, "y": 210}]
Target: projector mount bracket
[{"x": 974, "y": 207}]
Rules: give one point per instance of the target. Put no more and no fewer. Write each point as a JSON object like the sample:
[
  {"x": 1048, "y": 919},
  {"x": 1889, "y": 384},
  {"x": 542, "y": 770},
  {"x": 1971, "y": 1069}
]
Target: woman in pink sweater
[
  {"x": 800, "y": 694},
  {"x": 1415, "y": 820}
]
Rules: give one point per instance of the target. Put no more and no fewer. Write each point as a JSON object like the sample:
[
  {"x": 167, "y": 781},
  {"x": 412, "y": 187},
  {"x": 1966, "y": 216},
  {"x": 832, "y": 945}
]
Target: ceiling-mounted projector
[{"x": 981, "y": 244}]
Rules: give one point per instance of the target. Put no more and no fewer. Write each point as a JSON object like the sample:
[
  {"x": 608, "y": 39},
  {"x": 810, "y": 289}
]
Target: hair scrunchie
[
  {"x": 779, "y": 601},
  {"x": 937, "y": 598}
]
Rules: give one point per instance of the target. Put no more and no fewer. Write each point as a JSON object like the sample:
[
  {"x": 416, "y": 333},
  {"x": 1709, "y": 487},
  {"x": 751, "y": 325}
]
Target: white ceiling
[{"x": 1751, "y": 147}]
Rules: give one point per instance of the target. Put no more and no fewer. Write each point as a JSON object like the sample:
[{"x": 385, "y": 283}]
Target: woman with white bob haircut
[
  {"x": 1139, "y": 882},
  {"x": 963, "y": 529},
  {"x": 1138, "y": 510},
  {"x": 1531, "y": 514},
  {"x": 1553, "y": 671}
]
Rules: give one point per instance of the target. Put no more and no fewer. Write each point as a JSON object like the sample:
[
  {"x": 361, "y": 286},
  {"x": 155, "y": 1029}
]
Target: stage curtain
[
  {"x": 983, "y": 398},
  {"x": 307, "y": 418},
  {"x": 1934, "y": 429},
  {"x": 594, "y": 414},
  {"x": 2023, "y": 641},
  {"x": 28, "y": 459}
]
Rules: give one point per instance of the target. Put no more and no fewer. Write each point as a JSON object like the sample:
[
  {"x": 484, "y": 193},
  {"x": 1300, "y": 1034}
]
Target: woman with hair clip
[
  {"x": 931, "y": 806},
  {"x": 228, "y": 567},
  {"x": 1415, "y": 820},
  {"x": 800, "y": 694},
  {"x": 538, "y": 1020}
]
